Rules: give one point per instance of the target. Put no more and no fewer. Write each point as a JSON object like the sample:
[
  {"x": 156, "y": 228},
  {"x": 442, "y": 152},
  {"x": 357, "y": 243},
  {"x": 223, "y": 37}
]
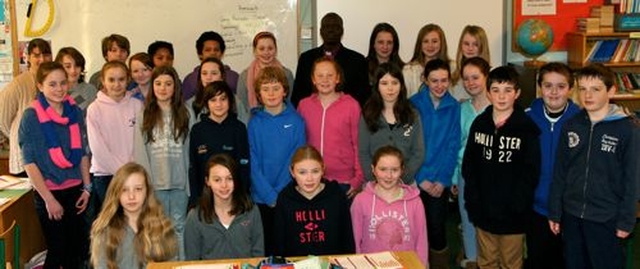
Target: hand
[
  {"x": 426, "y": 186},
  {"x": 82, "y": 202},
  {"x": 437, "y": 190},
  {"x": 621, "y": 234},
  {"x": 54, "y": 209},
  {"x": 454, "y": 190},
  {"x": 555, "y": 227},
  {"x": 352, "y": 192}
]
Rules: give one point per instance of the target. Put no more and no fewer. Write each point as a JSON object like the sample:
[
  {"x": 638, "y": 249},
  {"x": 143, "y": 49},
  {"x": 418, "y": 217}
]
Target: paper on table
[
  {"x": 8, "y": 182},
  {"x": 372, "y": 260},
  {"x": 4, "y": 201},
  {"x": 210, "y": 266}
]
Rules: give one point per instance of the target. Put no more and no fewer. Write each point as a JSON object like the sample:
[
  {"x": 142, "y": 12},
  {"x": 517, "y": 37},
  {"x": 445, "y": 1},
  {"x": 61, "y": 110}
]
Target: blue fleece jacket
[
  {"x": 272, "y": 141},
  {"x": 549, "y": 137},
  {"x": 441, "y": 130}
]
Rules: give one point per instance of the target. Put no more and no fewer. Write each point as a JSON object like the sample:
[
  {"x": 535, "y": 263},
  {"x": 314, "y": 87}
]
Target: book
[
  {"x": 380, "y": 260},
  {"x": 606, "y": 50},
  {"x": 592, "y": 52},
  {"x": 617, "y": 55}
]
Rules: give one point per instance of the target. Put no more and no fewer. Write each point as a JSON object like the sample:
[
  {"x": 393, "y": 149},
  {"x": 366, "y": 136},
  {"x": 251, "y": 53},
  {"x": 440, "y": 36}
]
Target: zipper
[{"x": 586, "y": 174}]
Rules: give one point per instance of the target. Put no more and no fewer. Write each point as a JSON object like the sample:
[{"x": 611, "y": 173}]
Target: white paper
[
  {"x": 208, "y": 266},
  {"x": 538, "y": 7}
]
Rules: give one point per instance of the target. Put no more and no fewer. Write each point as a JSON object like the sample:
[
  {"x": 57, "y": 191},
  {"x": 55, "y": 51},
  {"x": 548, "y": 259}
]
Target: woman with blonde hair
[
  {"x": 131, "y": 229},
  {"x": 473, "y": 43},
  {"x": 431, "y": 43}
]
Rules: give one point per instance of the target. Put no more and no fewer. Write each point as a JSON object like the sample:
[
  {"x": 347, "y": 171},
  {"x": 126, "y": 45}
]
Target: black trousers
[
  {"x": 544, "y": 249},
  {"x": 591, "y": 245},
  {"x": 436, "y": 212}
]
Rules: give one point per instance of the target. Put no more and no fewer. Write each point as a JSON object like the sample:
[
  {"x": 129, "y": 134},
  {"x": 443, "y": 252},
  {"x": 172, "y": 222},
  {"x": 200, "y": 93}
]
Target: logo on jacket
[
  {"x": 574, "y": 139},
  {"x": 407, "y": 130},
  {"x": 202, "y": 149},
  {"x": 312, "y": 232},
  {"x": 131, "y": 122},
  {"x": 286, "y": 126},
  {"x": 609, "y": 143},
  {"x": 390, "y": 228}
]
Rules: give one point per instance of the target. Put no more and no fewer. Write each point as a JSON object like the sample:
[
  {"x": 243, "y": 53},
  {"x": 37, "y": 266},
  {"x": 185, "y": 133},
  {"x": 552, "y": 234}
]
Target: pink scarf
[{"x": 252, "y": 73}]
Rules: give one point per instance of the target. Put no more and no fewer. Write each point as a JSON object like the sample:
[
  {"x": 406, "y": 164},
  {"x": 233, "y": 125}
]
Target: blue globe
[{"x": 534, "y": 37}]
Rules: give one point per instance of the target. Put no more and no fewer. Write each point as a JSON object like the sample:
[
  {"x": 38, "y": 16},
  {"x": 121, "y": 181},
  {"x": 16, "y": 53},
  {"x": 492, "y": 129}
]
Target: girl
[
  {"x": 219, "y": 132},
  {"x": 73, "y": 62},
  {"x": 211, "y": 69},
  {"x": 384, "y": 45},
  {"x": 331, "y": 119},
  {"x": 265, "y": 51},
  {"x": 226, "y": 224},
  {"x": 275, "y": 130},
  {"x": 389, "y": 118},
  {"x": 430, "y": 44},
  {"x": 140, "y": 66},
  {"x": 312, "y": 201},
  {"x": 388, "y": 215},
  {"x": 131, "y": 230},
  {"x": 440, "y": 115},
  {"x": 161, "y": 145},
  {"x": 473, "y": 43},
  {"x": 474, "y": 76},
  {"x": 111, "y": 122},
  {"x": 17, "y": 96},
  {"x": 54, "y": 149}
]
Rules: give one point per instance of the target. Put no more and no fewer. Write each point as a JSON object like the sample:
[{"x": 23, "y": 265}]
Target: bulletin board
[
  {"x": 8, "y": 44},
  {"x": 562, "y": 23}
]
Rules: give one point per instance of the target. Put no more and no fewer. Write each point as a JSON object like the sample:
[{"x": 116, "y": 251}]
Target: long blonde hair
[
  {"x": 155, "y": 240},
  {"x": 483, "y": 49}
]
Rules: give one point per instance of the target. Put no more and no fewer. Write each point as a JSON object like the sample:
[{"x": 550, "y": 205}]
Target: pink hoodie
[
  {"x": 334, "y": 132},
  {"x": 380, "y": 226}
]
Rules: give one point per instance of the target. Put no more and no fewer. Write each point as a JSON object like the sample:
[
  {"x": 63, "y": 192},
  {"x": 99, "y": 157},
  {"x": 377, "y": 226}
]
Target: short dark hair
[
  {"x": 155, "y": 46},
  {"x": 556, "y": 67},
  {"x": 76, "y": 56},
  {"x": 39, "y": 43},
  {"x": 503, "y": 74},
  {"x": 120, "y": 41},
  {"x": 436, "y": 64},
  {"x": 598, "y": 71},
  {"x": 207, "y": 36}
]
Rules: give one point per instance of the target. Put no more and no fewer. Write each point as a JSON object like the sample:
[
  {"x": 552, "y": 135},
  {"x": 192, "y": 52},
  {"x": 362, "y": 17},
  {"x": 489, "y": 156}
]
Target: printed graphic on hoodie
[
  {"x": 390, "y": 227},
  {"x": 506, "y": 145},
  {"x": 312, "y": 221}
]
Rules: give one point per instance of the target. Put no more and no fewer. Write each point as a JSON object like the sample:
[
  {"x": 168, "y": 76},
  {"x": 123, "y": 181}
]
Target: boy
[
  {"x": 209, "y": 44},
  {"x": 501, "y": 165},
  {"x": 114, "y": 48},
  {"x": 161, "y": 53},
  {"x": 550, "y": 112},
  {"x": 593, "y": 193},
  {"x": 275, "y": 130}
]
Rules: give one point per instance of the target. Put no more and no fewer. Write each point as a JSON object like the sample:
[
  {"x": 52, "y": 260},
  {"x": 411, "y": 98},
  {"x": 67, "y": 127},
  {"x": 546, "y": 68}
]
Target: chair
[{"x": 11, "y": 235}]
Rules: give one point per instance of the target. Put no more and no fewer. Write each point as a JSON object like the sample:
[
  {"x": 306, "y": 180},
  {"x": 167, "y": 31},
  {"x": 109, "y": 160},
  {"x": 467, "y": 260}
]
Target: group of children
[{"x": 203, "y": 169}]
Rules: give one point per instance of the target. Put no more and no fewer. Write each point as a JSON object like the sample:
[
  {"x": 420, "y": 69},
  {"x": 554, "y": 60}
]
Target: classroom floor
[{"x": 453, "y": 238}]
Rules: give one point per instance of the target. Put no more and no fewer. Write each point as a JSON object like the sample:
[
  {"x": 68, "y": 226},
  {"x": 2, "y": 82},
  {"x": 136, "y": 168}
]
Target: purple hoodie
[{"x": 381, "y": 226}]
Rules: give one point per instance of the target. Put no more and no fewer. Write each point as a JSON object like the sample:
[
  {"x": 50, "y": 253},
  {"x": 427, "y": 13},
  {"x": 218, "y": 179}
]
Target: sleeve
[
  {"x": 422, "y": 243},
  {"x": 358, "y": 176},
  {"x": 464, "y": 134},
  {"x": 102, "y": 155},
  {"x": 242, "y": 144},
  {"x": 257, "y": 233},
  {"x": 559, "y": 178},
  {"x": 242, "y": 98},
  {"x": 139, "y": 145},
  {"x": 363, "y": 89},
  {"x": 626, "y": 218},
  {"x": 259, "y": 184},
  {"x": 101, "y": 261},
  {"x": 9, "y": 102},
  {"x": 347, "y": 227},
  {"x": 195, "y": 171},
  {"x": 449, "y": 160},
  {"x": 302, "y": 81},
  {"x": 25, "y": 139},
  {"x": 470, "y": 170},
  {"x": 531, "y": 172},
  {"x": 290, "y": 80},
  {"x": 364, "y": 144},
  {"x": 280, "y": 228},
  {"x": 417, "y": 151},
  {"x": 357, "y": 221},
  {"x": 192, "y": 237}
]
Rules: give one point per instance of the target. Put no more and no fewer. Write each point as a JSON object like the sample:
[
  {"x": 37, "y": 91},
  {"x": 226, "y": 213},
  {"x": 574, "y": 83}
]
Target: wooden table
[
  {"x": 409, "y": 260},
  {"x": 21, "y": 208}
]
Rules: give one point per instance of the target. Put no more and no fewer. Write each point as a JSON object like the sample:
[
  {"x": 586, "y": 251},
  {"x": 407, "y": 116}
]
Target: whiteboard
[
  {"x": 83, "y": 24},
  {"x": 408, "y": 16}
]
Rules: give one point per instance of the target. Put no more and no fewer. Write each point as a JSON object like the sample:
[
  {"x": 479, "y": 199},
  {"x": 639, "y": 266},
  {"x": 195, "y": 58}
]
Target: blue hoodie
[
  {"x": 549, "y": 137},
  {"x": 272, "y": 141},
  {"x": 441, "y": 130}
]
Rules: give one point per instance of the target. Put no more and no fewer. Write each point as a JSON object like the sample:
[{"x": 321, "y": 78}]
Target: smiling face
[
  {"x": 475, "y": 82},
  {"x": 210, "y": 72},
  {"x": 163, "y": 57},
  {"x": 221, "y": 182},
  {"x": 133, "y": 194},
  {"x": 163, "y": 88},
  {"x": 438, "y": 82},
  {"x": 387, "y": 171},
  {"x": 431, "y": 44},
  {"x": 325, "y": 78},
  {"x": 55, "y": 87},
  {"x": 218, "y": 107},
  {"x": 555, "y": 91},
  {"x": 211, "y": 49},
  {"x": 308, "y": 175},
  {"x": 503, "y": 96},
  {"x": 36, "y": 57},
  {"x": 116, "y": 53},
  {"x": 470, "y": 46},
  {"x": 389, "y": 88},
  {"x": 140, "y": 73},
  {"x": 73, "y": 71},
  {"x": 272, "y": 95},
  {"x": 114, "y": 81},
  {"x": 265, "y": 51},
  {"x": 383, "y": 46},
  {"x": 594, "y": 96}
]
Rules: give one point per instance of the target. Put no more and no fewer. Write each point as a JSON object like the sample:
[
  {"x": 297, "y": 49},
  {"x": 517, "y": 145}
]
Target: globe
[{"x": 534, "y": 37}]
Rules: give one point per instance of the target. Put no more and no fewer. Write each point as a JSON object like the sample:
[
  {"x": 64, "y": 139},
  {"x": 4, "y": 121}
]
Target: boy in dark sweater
[
  {"x": 593, "y": 192},
  {"x": 501, "y": 165}
]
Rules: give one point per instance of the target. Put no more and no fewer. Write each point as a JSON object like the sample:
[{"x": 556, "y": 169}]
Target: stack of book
[
  {"x": 600, "y": 20},
  {"x": 614, "y": 51},
  {"x": 589, "y": 25}
]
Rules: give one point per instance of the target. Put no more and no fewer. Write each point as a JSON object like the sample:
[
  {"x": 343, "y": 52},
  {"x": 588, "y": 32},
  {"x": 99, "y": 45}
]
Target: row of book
[
  {"x": 628, "y": 6},
  {"x": 627, "y": 82},
  {"x": 614, "y": 51}
]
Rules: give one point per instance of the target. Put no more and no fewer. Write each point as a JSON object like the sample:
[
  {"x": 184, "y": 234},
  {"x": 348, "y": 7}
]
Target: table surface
[
  {"x": 409, "y": 259},
  {"x": 21, "y": 208}
]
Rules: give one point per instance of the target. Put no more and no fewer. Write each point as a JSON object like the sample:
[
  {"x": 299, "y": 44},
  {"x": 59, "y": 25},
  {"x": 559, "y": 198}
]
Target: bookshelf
[{"x": 581, "y": 52}]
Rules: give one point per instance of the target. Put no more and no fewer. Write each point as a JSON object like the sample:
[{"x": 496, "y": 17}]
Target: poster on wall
[{"x": 6, "y": 51}]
